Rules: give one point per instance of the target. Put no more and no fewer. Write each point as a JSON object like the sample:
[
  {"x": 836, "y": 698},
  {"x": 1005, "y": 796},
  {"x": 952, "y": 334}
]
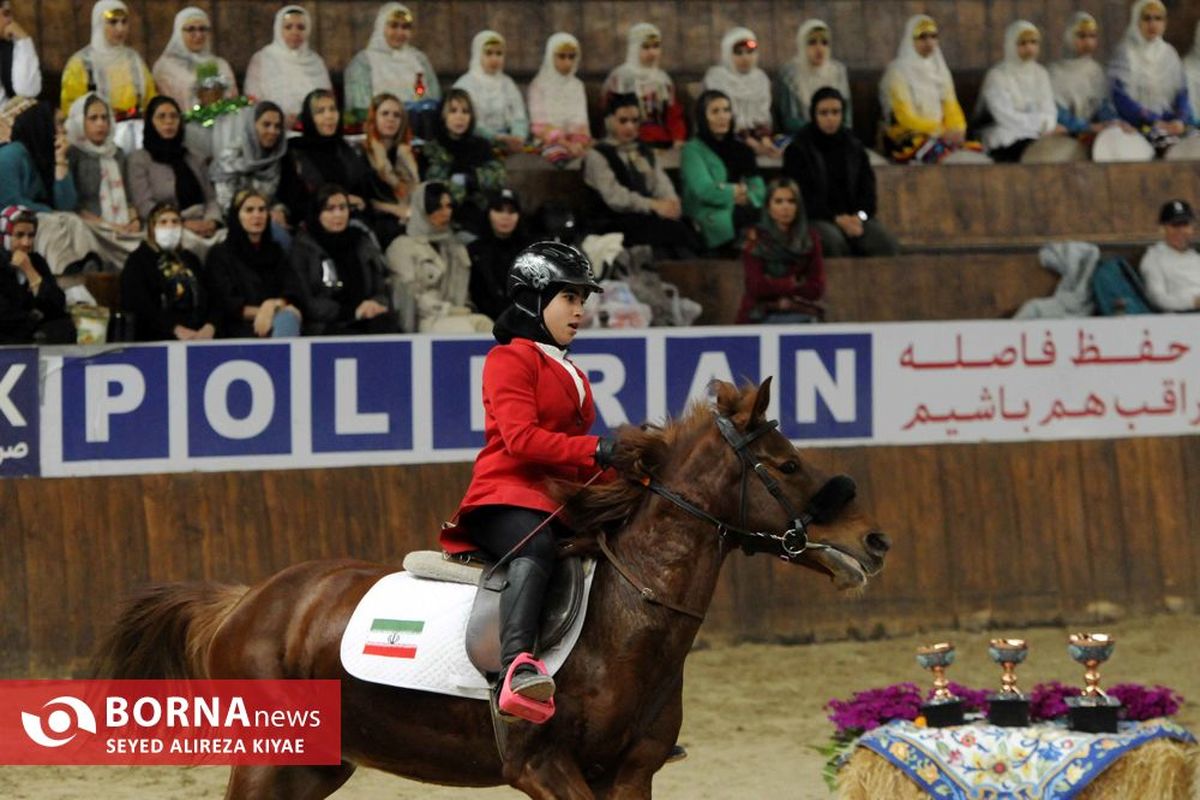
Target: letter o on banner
[{"x": 262, "y": 399}]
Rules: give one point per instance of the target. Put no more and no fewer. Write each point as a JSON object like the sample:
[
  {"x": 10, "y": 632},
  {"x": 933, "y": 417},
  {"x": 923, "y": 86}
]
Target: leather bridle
[{"x": 789, "y": 544}]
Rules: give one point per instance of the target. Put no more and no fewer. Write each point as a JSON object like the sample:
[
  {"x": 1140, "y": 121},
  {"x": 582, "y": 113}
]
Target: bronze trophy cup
[
  {"x": 1008, "y": 708},
  {"x": 1093, "y": 711},
  {"x": 943, "y": 709}
]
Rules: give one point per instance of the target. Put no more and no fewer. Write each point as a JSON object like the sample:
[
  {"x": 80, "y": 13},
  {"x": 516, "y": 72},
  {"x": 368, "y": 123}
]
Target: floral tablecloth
[{"x": 1040, "y": 762}]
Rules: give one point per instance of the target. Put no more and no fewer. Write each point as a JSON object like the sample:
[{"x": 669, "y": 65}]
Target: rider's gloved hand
[{"x": 606, "y": 451}]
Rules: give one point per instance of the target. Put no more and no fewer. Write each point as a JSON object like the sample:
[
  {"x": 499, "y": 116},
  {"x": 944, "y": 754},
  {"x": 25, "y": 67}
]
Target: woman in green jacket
[{"x": 722, "y": 189}]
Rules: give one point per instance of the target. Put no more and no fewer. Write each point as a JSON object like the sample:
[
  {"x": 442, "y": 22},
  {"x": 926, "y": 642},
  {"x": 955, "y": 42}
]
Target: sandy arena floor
[{"x": 752, "y": 713}]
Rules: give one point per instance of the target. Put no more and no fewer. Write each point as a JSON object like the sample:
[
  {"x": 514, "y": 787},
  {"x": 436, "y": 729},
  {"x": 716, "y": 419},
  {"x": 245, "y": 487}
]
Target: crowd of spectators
[{"x": 295, "y": 209}]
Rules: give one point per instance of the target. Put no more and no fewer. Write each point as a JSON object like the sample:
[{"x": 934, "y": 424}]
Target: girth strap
[{"x": 648, "y": 594}]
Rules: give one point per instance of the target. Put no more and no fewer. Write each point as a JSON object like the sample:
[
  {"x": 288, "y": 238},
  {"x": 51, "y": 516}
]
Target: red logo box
[{"x": 179, "y": 723}]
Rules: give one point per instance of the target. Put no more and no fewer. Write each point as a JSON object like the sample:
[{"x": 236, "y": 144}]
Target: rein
[{"x": 788, "y": 545}]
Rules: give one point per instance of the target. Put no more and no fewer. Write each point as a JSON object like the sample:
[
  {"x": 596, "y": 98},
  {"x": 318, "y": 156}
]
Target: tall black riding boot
[{"x": 520, "y": 619}]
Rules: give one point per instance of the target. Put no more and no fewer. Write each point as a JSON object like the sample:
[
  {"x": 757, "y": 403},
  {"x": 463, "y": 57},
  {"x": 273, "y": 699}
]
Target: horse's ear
[
  {"x": 726, "y": 396},
  {"x": 762, "y": 399}
]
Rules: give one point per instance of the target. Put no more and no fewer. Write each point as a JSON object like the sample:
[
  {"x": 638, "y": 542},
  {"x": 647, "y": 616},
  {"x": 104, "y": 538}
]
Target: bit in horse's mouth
[{"x": 846, "y": 571}]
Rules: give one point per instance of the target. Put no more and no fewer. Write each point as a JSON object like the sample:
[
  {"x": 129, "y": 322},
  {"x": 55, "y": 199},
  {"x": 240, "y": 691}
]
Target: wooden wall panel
[{"x": 1007, "y": 534}]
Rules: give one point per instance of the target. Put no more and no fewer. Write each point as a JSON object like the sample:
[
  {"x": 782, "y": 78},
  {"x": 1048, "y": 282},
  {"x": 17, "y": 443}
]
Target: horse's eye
[{"x": 789, "y": 467}]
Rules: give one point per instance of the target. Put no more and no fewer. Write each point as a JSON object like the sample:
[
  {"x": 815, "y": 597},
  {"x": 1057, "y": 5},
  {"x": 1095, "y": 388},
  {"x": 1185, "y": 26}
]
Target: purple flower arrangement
[
  {"x": 1146, "y": 702},
  {"x": 1048, "y": 701},
  {"x": 871, "y": 708}
]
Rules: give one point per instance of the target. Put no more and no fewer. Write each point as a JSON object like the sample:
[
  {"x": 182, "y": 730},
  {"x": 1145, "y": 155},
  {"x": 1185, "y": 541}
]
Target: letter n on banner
[
  {"x": 456, "y": 389},
  {"x": 239, "y": 400},
  {"x": 19, "y": 428},
  {"x": 825, "y": 386}
]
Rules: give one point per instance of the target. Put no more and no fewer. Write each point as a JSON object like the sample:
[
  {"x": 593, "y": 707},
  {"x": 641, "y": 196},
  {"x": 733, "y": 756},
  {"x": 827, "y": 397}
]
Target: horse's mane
[{"x": 643, "y": 451}]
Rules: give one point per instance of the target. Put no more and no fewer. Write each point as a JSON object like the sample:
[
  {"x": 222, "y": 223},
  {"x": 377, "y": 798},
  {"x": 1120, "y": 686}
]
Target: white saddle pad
[{"x": 410, "y": 632}]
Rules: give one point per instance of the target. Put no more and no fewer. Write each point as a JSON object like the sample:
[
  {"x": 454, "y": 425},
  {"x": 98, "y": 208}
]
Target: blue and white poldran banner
[{"x": 416, "y": 399}]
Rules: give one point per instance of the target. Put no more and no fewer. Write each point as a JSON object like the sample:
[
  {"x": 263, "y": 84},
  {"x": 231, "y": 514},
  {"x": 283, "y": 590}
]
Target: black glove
[{"x": 606, "y": 451}]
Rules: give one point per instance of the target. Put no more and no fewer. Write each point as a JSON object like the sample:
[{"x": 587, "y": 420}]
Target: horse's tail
[{"x": 164, "y": 631}]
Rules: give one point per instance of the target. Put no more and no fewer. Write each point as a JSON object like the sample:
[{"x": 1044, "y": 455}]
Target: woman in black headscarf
[
  {"x": 320, "y": 156},
  {"x": 722, "y": 190},
  {"x": 785, "y": 274},
  {"x": 339, "y": 271},
  {"x": 835, "y": 175},
  {"x": 256, "y": 290},
  {"x": 463, "y": 161},
  {"x": 165, "y": 171},
  {"x": 31, "y": 174}
]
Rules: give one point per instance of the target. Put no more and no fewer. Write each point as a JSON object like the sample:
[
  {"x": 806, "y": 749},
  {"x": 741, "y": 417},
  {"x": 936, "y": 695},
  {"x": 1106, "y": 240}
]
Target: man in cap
[{"x": 1171, "y": 268}]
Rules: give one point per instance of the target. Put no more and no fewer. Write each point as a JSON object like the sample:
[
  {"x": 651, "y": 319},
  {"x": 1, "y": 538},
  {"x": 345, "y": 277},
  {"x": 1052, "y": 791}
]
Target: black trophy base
[
  {"x": 1093, "y": 717},
  {"x": 943, "y": 715},
  {"x": 1008, "y": 712}
]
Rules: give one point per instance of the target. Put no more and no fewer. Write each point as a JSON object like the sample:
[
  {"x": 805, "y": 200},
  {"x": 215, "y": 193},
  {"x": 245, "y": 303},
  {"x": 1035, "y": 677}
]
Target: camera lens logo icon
[{"x": 60, "y": 721}]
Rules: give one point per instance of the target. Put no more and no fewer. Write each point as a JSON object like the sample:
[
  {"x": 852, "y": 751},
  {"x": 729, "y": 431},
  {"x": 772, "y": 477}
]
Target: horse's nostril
[{"x": 878, "y": 543}]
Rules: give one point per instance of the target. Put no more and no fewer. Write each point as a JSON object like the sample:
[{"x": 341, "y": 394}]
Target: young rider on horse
[{"x": 537, "y": 412}]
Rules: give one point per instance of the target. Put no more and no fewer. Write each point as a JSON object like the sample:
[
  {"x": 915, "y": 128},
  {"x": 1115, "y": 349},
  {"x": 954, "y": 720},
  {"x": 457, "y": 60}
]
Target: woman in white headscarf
[
  {"x": 1191, "y": 67},
  {"x": 190, "y": 48},
  {"x": 1148, "y": 85},
  {"x": 110, "y": 68},
  {"x": 1016, "y": 99},
  {"x": 499, "y": 107},
  {"x": 249, "y": 150},
  {"x": 389, "y": 64},
  {"x": 662, "y": 113},
  {"x": 99, "y": 170},
  {"x": 558, "y": 102},
  {"x": 813, "y": 68},
  {"x": 1080, "y": 86},
  {"x": 748, "y": 88},
  {"x": 286, "y": 70},
  {"x": 921, "y": 114}
]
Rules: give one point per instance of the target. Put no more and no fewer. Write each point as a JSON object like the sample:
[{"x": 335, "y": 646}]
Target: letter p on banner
[{"x": 171, "y": 723}]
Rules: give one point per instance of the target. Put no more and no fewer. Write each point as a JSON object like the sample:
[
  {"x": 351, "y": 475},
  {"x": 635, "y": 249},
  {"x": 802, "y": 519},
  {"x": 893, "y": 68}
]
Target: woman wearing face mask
[
  {"x": 321, "y": 155},
  {"x": 110, "y": 68},
  {"x": 190, "y": 48},
  {"x": 101, "y": 177},
  {"x": 1149, "y": 87},
  {"x": 394, "y": 174},
  {"x": 813, "y": 68},
  {"x": 497, "y": 100},
  {"x": 464, "y": 161},
  {"x": 1080, "y": 87},
  {"x": 493, "y": 253},
  {"x": 32, "y": 307},
  {"x": 558, "y": 110},
  {"x": 838, "y": 185},
  {"x": 390, "y": 64},
  {"x": 286, "y": 70},
  {"x": 538, "y": 409},
  {"x": 921, "y": 115},
  {"x": 254, "y": 288},
  {"x": 748, "y": 88},
  {"x": 722, "y": 189},
  {"x": 641, "y": 75},
  {"x": 1017, "y": 98},
  {"x": 250, "y": 147},
  {"x": 431, "y": 269},
  {"x": 785, "y": 274},
  {"x": 165, "y": 287},
  {"x": 339, "y": 271},
  {"x": 165, "y": 171}
]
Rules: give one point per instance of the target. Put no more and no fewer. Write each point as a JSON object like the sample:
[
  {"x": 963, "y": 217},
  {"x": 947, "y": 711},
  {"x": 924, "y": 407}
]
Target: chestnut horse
[{"x": 693, "y": 491}]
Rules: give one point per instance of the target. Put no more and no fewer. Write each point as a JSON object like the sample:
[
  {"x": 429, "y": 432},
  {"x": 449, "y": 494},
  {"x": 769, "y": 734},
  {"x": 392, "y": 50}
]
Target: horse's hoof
[{"x": 678, "y": 753}]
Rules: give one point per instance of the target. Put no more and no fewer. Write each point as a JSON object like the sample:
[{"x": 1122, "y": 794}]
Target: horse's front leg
[
  {"x": 635, "y": 775},
  {"x": 549, "y": 776}
]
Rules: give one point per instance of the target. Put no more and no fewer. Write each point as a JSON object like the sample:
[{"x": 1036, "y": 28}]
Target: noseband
[{"x": 789, "y": 544}]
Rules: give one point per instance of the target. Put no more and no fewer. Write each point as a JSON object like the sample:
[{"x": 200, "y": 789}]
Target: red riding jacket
[{"x": 535, "y": 430}]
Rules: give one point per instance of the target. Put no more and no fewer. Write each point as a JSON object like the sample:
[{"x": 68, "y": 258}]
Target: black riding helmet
[{"x": 542, "y": 270}]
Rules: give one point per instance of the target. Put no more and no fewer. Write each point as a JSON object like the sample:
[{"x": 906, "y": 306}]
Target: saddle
[{"x": 564, "y": 599}]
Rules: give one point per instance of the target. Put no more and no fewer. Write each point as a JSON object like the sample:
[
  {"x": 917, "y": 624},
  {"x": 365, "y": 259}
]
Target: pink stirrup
[{"x": 514, "y": 704}]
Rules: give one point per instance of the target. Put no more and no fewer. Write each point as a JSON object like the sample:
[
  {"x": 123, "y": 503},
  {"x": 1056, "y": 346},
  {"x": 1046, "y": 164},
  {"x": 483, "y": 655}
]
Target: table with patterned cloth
[{"x": 1045, "y": 761}]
